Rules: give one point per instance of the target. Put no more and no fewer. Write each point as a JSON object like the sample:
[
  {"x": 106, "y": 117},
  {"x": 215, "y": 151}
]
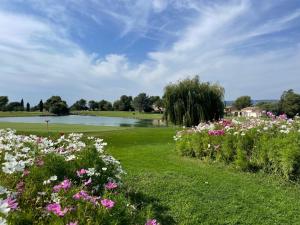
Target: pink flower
[
  {"x": 39, "y": 162},
  {"x": 216, "y": 132},
  {"x": 85, "y": 196},
  {"x": 88, "y": 182},
  {"x": 20, "y": 187},
  {"x": 26, "y": 172},
  {"x": 12, "y": 203},
  {"x": 66, "y": 184},
  {"x": 73, "y": 223},
  {"x": 81, "y": 172},
  {"x": 151, "y": 222},
  {"x": 56, "y": 209},
  {"x": 107, "y": 203},
  {"x": 111, "y": 185}
]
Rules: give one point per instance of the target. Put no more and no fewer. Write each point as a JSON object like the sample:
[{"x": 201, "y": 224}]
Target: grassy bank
[
  {"x": 187, "y": 191},
  {"x": 24, "y": 113},
  {"x": 135, "y": 115}
]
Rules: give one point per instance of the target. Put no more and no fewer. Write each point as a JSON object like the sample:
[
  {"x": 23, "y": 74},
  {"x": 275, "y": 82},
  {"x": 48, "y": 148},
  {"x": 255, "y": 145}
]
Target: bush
[
  {"x": 270, "y": 145},
  {"x": 69, "y": 180}
]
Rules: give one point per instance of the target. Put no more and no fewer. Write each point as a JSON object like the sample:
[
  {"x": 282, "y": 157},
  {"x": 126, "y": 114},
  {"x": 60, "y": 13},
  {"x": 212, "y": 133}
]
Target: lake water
[{"x": 85, "y": 120}]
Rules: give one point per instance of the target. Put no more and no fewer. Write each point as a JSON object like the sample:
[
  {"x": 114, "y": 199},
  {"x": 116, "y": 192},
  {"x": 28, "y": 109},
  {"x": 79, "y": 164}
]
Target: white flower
[
  {"x": 70, "y": 157},
  {"x": 104, "y": 168},
  {"x": 53, "y": 178},
  {"x": 4, "y": 208},
  {"x": 3, "y": 221}
]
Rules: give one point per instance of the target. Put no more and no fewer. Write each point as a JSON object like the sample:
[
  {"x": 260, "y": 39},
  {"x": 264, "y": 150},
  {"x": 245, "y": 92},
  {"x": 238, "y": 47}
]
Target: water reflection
[{"x": 87, "y": 120}]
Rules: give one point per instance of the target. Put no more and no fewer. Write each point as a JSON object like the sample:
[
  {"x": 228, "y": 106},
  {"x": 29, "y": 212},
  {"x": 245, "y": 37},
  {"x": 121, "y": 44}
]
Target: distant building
[
  {"x": 232, "y": 111},
  {"x": 251, "y": 112}
]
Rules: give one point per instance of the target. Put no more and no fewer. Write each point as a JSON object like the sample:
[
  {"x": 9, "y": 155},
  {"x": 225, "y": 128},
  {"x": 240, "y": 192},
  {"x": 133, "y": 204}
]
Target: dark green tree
[
  {"x": 289, "y": 103},
  {"x": 3, "y": 102},
  {"x": 269, "y": 107},
  {"x": 41, "y": 106},
  {"x": 13, "y": 106},
  {"x": 242, "y": 102},
  {"x": 56, "y": 105},
  {"x": 93, "y": 105},
  {"x": 105, "y": 105},
  {"x": 189, "y": 102},
  {"x": 79, "y": 105},
  {"x": 142, "y": 103},
  {"x": 123, "y": 104},
  {"x": 28, "y": 107},
  {"x": 22, "y": 105}
]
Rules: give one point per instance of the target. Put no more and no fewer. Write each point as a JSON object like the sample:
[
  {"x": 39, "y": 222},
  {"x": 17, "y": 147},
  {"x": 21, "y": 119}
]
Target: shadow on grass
[{"x": 159, "y": 211}]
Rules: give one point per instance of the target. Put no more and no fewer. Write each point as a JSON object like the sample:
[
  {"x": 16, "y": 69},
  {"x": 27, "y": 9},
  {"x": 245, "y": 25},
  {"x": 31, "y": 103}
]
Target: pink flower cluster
[
  {"x": 282, "y": 117},
  {"x": 225, "y": 123},
  {"x": 85, "y": 196},
  {"x": 111, "y": 185},
  {"x": 81, "y": 172},
  {"x": 12, "y": 203},
  {"x": 151, "y": 222},
  {"x": 56, "y": 209},
  {"x": 216, "y": 132},
  {"x": 66, "y": 184},
  {"x": 107, "y": 203}
]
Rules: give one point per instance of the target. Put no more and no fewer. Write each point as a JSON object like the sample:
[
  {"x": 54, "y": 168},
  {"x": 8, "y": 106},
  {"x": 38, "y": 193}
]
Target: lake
[{"x": 85, "y": 120}]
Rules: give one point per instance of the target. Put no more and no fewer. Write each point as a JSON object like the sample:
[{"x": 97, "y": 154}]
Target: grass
[
  {"x": 187, "y": 191},
  {"x": 135, "y": 115},
  {"x": 23, "y": 113}
]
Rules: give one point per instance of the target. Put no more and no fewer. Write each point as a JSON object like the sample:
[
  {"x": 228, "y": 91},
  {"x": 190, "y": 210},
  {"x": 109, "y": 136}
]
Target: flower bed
[
  {"x": 70, "y": 180},
  {"x": 270, "y": 144}
]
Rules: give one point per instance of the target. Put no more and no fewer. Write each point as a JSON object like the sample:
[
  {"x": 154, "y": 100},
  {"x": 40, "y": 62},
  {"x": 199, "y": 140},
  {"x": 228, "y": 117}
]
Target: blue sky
[{"x": 101, "y": 49}]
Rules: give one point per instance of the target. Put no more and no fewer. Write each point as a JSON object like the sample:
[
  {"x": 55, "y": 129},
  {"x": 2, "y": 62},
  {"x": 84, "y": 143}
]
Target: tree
[
  {"x": 3, "y": 102},
  {"x": 242, "y": 102},
  {"x": 189, "y": 102},
  {"x": 289, "y": 103},
  {"x": 41, "y": 106},
  {"x": 79, "y": 105},
  {"x": 56, "y": 105},
  {"x": 269, "y": 107},
  {"x": 124, "y": 103},
  {"x": 93, "y": 105},
  {"x": 13, "y": 106},
  {"x": 105, "y": 105},
  {"x": 28, "y": 107},
  {"x": 142, "y": 103},
  {"x": 22, "y": 105}
]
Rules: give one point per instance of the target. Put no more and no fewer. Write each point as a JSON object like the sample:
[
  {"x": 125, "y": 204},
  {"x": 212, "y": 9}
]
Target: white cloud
[{"x": 38, "y": 56}]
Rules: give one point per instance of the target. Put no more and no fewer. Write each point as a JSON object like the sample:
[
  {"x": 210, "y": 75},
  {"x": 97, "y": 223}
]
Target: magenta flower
[
  {"x": 26, "y": 172},
  {"x": 111, "y": 185},
  {"x": 85, "y": 196},
  {"x": 151, "y": 222},
  {"x": 107, "y": 203},
  {"x": 56, "y": 209},
  {"x": 81, "y": 172},
  {"x": 216, "y": 132},
  {"x": 88, "y": 182},
  {"x": 73, "y": 223},
  {"x": 66, "y": 184},
  {"x": 12, "y": 203}
]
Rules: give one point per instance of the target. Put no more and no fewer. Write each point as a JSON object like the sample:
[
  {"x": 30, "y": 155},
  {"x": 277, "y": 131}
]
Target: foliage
[
  {"x": 28, "y": 107},
  {"x": 93, "y": 105},
  {"x": 123, "y": 104},
  {"x": 41, "y": 105},
  {"x": 242, "y": 102},
  {"x": 79, "y": 105},
  {"x": 3, "y": 102},
  {"x": 142, "y": 103},
  {"x": 22, "y": 104},
  {"x": 255, "y": 144},
  {"x": 290, "y": 103},
  {"x": 105, "y": 105},
  {"x": 269, "y": 107},
  {"x": 189, "y": 102},
  {"x": 56, "y": 105},
  {"x": 69, "y": 180},
  {"x": 14, "y": 106}
]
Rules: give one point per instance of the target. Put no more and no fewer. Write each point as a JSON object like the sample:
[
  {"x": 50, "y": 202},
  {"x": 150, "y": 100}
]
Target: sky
[{"x": 102, "y": 49}]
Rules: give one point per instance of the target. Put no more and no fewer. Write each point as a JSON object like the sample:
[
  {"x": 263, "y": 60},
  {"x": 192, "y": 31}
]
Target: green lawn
[
  {"x": 187, "y": 191},
  {"x": 23, "y": 113},
  {"x": 135, "y": 115}
]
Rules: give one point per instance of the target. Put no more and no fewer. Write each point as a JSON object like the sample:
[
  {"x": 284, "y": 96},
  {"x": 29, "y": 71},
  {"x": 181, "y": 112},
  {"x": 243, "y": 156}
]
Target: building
[{"x": 251, "y": 112}]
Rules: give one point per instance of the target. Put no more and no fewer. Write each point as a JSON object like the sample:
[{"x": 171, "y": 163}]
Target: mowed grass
[
  {"x": 187, "y": 191},
  {"x": 24, "y": 113},
  {"x": 135, "y": 115}
]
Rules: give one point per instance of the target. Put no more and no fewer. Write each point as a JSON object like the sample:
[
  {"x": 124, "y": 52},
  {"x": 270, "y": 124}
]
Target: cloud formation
[{"x": 249, "y": 48}]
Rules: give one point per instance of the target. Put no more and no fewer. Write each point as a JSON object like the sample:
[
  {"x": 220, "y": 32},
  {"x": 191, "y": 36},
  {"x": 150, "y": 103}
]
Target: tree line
[{"x": 56, "y": 105}]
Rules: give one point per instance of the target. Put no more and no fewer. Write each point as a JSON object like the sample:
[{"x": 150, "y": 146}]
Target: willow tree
[{"x": 190, "y": 102}]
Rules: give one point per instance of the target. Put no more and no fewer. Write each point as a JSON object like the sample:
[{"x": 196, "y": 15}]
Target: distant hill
[{"x": 254, "y": 102}]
